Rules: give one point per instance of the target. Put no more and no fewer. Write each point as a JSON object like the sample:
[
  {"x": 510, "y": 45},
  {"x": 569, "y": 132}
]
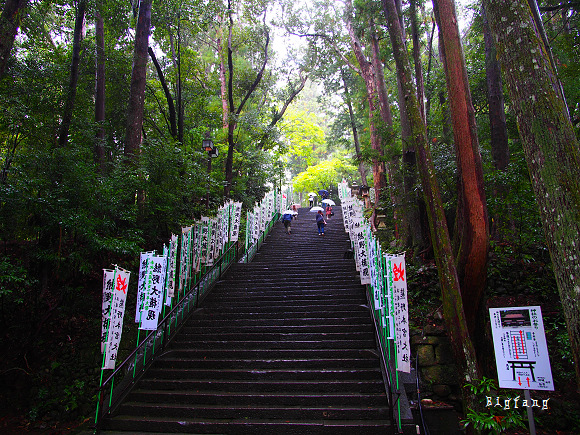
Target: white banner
[
  {"x": 154, "y": 292},
  {"x": 116, "y": 318},
  {"x": 143, "y": 262},
  {"x": 236, "y": 221},
  {"x": 397, "y": 278},
  {"x": 172, "y": 263},
  {"x": 108, "y": 283},
  {"x": 210, "y": 244},
  {"x": 257, "y": 218},
  {"x": 184, "y": 257}
]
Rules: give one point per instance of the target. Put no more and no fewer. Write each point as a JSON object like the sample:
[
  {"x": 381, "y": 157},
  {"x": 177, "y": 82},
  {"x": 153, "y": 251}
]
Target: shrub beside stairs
[{"x": 284, "y": 344}]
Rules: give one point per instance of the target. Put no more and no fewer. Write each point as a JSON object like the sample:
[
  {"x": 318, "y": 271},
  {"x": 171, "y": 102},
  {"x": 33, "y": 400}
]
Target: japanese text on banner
[{"x": 115, "y": 329}]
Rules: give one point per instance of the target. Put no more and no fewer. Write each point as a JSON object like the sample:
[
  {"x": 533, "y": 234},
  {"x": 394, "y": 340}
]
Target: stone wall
[{"x": 436, "y": 369}]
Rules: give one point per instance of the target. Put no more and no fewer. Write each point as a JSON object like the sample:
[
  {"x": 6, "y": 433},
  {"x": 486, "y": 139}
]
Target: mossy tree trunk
[
  {"x": 9, "y": 23},
  {"x": 463, "y": 349},
  {"x": 362, "y": 170},
  {"x": 551, "y": 147}
]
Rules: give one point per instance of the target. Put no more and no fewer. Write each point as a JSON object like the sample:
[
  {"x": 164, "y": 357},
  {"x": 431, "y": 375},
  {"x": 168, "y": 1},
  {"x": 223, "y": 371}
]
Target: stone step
[
  {"x": 280, "y": 340},
  {"x": 277, "y": 363},
  {"x": 361, "y": 386},
  {"x": 247, "y": 426},
  {"x": 226, "y": 398},
  {"x": 281, "y": 413},
  {"x": 163, "y": 372}
]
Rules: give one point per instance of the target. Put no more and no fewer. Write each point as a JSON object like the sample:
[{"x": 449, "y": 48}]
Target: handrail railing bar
[{"x": 385, "y": 367}]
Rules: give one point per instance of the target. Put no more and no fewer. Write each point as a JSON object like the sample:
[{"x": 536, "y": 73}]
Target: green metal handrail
[{"x": 119, "y": 383}]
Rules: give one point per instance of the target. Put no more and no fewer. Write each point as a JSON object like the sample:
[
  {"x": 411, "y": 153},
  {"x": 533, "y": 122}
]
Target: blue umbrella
[{"x": 323, "y": 192}]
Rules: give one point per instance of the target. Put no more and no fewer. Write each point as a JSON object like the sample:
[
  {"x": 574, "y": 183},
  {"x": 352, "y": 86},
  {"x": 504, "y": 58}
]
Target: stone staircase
[{"x": 283, "y": 345}]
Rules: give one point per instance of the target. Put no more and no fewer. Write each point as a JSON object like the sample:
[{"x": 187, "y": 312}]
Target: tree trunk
[
  {"x": 420, "y": 83},
  {"x": 367, "y": 73},
  {"x": 168, "y": 97},
  {"x": 450, "y": 290},
  {"x": 498, "y": 129},
  {"x": 180, "y": 106},
  {"x": 362, "y": 170},
  {"x": 138, "y": 81},
  {"x": 551, "y": 147},
  {"x": 471, "y": 235},
  {"x": 234, "y": 112},
  {"x": 74, "y": 75},
  {"x": 499, "y": 138},
  {"x": 411, "y": 201},
  {"x": 100, "y": 58},
  {"x": 392, "y": 172},
  {"x": 279, "y": 114},
  {"x": 9, "y": 23},
  {"x": 223, "y": 83}
]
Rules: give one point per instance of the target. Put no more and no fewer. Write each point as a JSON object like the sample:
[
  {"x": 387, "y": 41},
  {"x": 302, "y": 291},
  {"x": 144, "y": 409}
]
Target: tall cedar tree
[
  {"x": 471, "y": 235},
  {"x": 74, "y": 74},
  {"x": 551, "y": 147},
  {"x": 100, "y": 57},
  {"x": 138, "y": 81}
]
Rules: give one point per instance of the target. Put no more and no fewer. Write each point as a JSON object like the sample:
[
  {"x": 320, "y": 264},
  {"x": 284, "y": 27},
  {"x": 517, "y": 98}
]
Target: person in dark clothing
[
  {"x": 320, "y": 222},
  {"x": 287, "y": 219}
]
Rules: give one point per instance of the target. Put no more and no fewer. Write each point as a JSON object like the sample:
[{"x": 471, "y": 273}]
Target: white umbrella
[
  {"x": 289, "y": 212},
  {"x": 328, "y": 201},
  {"x": 312, "y": 194},
  {"x": 316, "y": 209}
]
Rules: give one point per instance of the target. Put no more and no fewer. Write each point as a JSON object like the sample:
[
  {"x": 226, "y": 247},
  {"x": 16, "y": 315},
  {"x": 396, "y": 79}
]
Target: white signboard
[{"x": 521, "y": 353}]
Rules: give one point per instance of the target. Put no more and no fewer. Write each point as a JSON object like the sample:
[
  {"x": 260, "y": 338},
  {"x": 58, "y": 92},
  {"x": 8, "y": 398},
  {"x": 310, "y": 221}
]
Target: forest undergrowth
[{"x": 515, "y": 279}]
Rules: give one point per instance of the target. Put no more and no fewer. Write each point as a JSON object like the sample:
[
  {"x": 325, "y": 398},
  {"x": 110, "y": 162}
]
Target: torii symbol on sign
[{"x": 398, "y": 272}]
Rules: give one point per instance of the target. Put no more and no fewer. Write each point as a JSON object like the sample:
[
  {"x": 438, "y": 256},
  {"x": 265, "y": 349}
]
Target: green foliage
[
  {"x": 14, "y": 281},
  {"x": 323, "y": 175},
  {"x": 305, "y": 138},
  {"x": 491, "y": 419}
]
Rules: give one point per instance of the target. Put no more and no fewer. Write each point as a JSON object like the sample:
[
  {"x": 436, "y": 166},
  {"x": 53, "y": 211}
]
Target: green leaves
[{"x": 323, "y": 175}]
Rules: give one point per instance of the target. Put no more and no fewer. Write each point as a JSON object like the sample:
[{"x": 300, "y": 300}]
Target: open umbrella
[
  {"x": 311, "y": 194},
  {"x": 328, "y": 201},
  {"x": 289, "y": 212},
  {"x": 316, "y": 209},
  {"x": 323, "y": 192}
]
